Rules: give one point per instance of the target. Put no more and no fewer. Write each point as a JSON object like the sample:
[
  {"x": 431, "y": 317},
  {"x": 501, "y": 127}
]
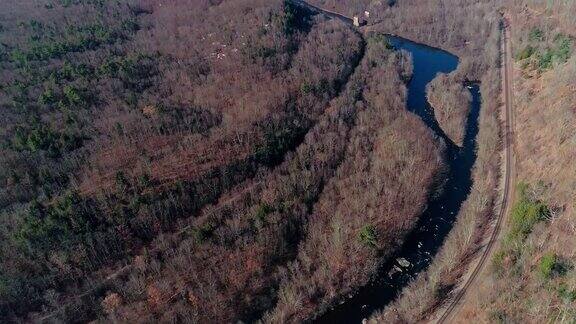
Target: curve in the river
[{"x": 437, "y": 220}]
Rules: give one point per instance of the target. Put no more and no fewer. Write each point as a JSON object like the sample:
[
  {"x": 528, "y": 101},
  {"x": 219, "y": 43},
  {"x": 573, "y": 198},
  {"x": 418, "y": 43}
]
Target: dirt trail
[
  {"x": 121, "y": 271},
  {"x": 449, "y": 313},
  {"x": 333, "y": 14}
]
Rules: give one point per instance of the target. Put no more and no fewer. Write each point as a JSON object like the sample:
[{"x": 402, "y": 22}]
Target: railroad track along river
[{"x": 450, "y": 312}]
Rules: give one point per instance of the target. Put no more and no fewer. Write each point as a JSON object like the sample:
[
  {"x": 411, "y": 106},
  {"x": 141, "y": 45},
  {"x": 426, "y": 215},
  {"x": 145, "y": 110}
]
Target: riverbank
[
  {"x": 423, "y": 295},
  {"x": 430, "y": 288},
  {"x": 375, "y": 199},
  {"x": 421, "y": 244}
]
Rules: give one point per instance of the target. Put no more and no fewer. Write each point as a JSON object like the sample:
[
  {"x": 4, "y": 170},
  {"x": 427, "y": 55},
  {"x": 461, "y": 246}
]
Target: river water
[{"x": 437, "y": 220}]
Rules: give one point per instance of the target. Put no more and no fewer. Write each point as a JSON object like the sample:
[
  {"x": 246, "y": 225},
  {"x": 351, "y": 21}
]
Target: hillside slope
[{"x": 533, "y": 277}]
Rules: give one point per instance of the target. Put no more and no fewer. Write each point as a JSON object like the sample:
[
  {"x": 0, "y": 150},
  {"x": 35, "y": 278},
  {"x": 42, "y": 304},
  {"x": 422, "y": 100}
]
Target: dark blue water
[
  {"x": 437, "y": 220},
  {"x": 427, "y": 63}
]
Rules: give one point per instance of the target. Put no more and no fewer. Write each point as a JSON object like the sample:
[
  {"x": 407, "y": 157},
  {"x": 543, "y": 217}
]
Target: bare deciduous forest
[
  {"x": 531, "y": 277},
  {"x": 451, "y": 102},
  {"x": 242, "y": 160},
  {"x": 116, "y": 130}
]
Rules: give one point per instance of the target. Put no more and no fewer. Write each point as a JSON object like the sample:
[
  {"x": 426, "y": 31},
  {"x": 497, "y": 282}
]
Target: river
[{"x": 421, "y": 245}]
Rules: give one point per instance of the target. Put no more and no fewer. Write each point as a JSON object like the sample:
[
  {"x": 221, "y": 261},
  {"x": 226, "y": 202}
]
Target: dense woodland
[
  {"x": 233, "y": 160},
  {"x": 371, "y": 203},
  {"x": 181, "y": 162},
  {"x": 113, "y": 130},
  {"x": 531, "y": 277}
]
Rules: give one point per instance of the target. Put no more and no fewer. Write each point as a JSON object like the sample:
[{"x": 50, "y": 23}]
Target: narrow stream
[{"x": 437, "y": 220}]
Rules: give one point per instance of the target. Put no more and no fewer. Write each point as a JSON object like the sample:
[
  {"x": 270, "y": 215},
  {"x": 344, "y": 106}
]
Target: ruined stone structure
[{"x": 358, "y": 21}]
